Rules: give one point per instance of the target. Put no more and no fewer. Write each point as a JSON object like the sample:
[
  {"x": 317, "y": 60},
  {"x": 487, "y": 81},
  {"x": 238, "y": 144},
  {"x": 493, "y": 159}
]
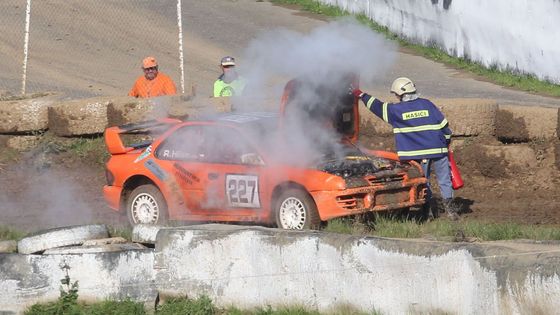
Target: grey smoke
[{"x": 323, "y": 54}]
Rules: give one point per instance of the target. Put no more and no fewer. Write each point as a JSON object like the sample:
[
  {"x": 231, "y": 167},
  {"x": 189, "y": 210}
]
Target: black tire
[
  {"x": 146, "y": 205},
  {"x": 294, "y": 209}
]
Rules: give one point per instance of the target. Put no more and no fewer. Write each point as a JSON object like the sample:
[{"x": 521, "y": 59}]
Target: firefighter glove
[{"x": 358, "y": 93}]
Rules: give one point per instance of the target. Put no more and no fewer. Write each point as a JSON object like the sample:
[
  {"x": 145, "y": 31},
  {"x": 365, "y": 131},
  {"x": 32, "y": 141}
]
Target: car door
[
  {"x": 235, "y": 187},
  {"x": 182, "y": 152},
  {"x": 221, "y": 177}
]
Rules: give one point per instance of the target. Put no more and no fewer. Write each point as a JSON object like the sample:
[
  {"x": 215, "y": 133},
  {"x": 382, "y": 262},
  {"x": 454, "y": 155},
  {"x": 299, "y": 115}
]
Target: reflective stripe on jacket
[
  {"x": 222, "y": 88},
  {"x": 421, "y": 131}
]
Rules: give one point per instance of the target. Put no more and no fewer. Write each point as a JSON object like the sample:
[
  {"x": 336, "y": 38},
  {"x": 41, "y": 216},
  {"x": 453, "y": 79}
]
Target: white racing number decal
[{"x": 243, "y": 191}]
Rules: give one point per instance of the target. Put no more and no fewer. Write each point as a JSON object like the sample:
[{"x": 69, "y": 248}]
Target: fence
[{"x": 86, "y": 48}]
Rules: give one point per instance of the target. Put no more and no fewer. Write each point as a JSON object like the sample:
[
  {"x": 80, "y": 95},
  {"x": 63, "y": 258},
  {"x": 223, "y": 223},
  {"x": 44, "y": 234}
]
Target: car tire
[
  {"x": 295, "y": 209},
  {"x": 146, "y": 205},
  {"x": 59, "y": 237}
]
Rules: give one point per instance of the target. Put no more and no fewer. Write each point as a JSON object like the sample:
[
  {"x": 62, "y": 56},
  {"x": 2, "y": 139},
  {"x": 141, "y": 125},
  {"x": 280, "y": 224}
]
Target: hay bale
[{"x": 28, "y": 114}]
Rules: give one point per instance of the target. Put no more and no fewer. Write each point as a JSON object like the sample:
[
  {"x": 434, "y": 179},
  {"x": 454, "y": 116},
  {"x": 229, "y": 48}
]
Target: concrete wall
[
  {"x": 516, "y": 35},
  {"x": 28, "y": 279},
  {"x": 251, "y": 267},
  {"x": 254, "y": 266}
]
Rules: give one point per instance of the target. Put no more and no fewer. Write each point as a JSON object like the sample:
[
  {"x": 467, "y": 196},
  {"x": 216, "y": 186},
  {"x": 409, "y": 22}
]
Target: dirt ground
[{"x": 498, "y": 191}]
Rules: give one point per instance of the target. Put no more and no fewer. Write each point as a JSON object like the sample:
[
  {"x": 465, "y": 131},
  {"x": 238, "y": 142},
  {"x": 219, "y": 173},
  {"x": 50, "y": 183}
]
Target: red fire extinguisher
[{"x": 456, "y": 180}]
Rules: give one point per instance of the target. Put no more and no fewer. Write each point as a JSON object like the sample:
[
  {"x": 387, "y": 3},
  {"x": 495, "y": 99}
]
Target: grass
[
  {"x": 7, "y": 234},
  {"x": 508, "y": 77},
  {"x": 10, "y": 97},
  {"x": 200, "y": 306},
  {"x": 91, "y": 148},
  {"x": 8, "y": 156},
  {"x": 442, "y": 229},
  {"x": 101, "y": 308},
  {"x": 124, "y": 232}
]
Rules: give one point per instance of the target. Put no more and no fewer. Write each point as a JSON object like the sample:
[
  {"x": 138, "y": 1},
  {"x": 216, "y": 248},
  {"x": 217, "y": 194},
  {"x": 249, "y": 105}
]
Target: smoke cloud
[
  {"x": 326, "y": 63},
  {"x": 323, "y": 55}
]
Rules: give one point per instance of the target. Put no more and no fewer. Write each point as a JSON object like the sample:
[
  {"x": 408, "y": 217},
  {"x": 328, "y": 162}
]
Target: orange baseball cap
[{"x": 149, "y": 62}]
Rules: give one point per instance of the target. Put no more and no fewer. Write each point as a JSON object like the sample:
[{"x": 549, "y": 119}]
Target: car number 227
[{"x": 243, "y": 191}]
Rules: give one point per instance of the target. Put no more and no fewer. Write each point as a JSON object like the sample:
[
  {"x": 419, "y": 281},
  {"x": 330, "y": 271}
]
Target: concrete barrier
[
  {"x": 30, "y": 279},
  {"x": 128, "y": 110},
  {"x": 19, "y": 143},
  {"x": 254, "y": 266},
  {"x": 469, "y": 116},
  {"x": 250, "y": 267},
  {"x": 134, "y": 110},
  {"x": 26, "y": 115},
  {"x": 79, "y": 117},
  {"x": 482, "y": 31},
  {"x": 9, "y": 246}
]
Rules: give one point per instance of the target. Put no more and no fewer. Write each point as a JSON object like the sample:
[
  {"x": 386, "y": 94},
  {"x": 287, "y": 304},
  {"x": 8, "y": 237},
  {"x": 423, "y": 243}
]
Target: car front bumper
[{"x": 338, "y": 203}]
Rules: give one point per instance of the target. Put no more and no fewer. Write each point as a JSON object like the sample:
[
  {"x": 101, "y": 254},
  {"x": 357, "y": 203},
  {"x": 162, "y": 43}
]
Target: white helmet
[{"x": 403, "y": 86}]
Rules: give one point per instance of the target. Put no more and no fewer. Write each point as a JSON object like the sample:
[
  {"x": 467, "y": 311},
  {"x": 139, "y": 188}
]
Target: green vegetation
[
  {"x": 91, "y": 149},
  {"x": 508, "y": 78},
  {"x": 442, "y": 229},
  {"x": 200, "y": 306},
  {"x": 120, "y": 231},
  {"x": 7, "y": 233},
  {"x": 67, "y": 304},
  {"x": 7, "y": 156},
  {"x": 10, "y": 97}
]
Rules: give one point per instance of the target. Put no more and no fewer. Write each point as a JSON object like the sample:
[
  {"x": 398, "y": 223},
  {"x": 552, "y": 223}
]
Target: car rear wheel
[
  {"x": 146, "y": 205},
  {"x": 296, "y": 210}
]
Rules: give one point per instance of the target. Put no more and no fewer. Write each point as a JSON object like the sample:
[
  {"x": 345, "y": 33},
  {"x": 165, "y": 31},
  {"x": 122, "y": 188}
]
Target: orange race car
[{"x": 292, "y": 169}]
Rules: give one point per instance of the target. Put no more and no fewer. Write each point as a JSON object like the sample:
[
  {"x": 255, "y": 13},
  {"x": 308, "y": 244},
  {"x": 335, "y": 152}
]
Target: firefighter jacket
[
  {"x": 421, "y": 131},
  {"x": 160, "y": 85},
  {"x": 235, "y": 87}
]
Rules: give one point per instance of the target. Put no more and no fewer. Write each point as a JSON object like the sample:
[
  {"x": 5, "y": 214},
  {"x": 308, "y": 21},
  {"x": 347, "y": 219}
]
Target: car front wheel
[
  {"x": 146, "y": 205},
  {"x": 296, "y": 210}
]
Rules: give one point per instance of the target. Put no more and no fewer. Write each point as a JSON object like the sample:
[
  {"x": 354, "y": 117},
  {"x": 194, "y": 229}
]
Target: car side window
[
  {"x": 185, "y": 144},
  {"x": 208, "y": 144},
  {"x": 227, "y": 146}
]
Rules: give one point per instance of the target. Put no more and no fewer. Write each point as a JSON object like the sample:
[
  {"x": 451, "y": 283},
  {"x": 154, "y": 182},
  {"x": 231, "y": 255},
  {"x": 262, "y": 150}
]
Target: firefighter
[
  {"x": 153, "y": 83},
  {"x": 229, "y": 83},
  {"x": 421, "y": 133}
]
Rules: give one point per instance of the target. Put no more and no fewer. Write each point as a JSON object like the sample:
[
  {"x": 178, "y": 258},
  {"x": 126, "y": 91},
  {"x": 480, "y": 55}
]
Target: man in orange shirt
[{"x": 153, "y": 83}]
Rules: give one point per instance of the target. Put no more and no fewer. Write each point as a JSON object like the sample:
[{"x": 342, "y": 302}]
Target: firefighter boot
[
  {"x": 426, "y": 213},
  {"x": 450, "y": 209}
]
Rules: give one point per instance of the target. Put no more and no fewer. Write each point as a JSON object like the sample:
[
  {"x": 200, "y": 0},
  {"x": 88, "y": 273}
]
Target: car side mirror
[{"x": 251, "y": 159}]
